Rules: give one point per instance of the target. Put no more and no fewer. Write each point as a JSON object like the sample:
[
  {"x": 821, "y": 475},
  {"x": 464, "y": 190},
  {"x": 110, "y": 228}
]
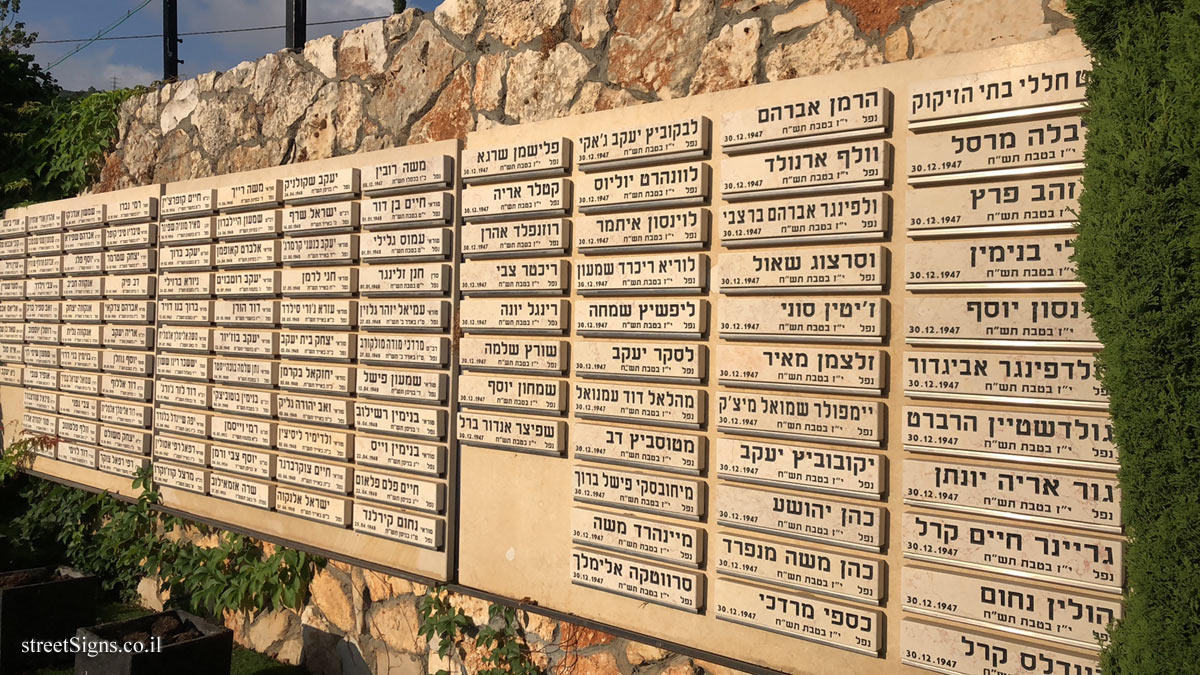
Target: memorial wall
[{"x": 796, "y": 374}]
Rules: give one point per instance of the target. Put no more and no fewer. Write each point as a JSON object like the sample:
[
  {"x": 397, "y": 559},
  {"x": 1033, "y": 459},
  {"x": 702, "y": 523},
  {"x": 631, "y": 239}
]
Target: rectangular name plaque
[
  {"x": 259, "y": 433},
  {"x": 120, "y": 464},
  {"x": 324, "y": 443},
  {"x": 182, "y": 477},
  {"x": 88, "y": 359},
  {"x": 253, "y": 225},
  {"x": 402, "y": 279},
  {"x": 409, "y": 175},
  {"x": 321, "y": 508},
  {"x": 684, "y": 319},
  {"x": 186, "y": 311},
  {"x": 133, "y": 211},
  {"x": 13, "y": 227},
  {"x": 316, "y": 379},
  {"x": 403, "y": 527},
  {"x": 512, "y": 433},
  {"x": 854, "y": 166},
  {"x": 192, "y": 257},
  {"x": 12, "y": 269},
  {"x": 129, "y": 388},
  {"x": 639, "y": 361},
  {"x": 126, "y": 440},
  {"x": 183, "y": 450},
  {"x": 660, "y": 406},
  {"x": 651, "y": 231},
  {"x": 802, "y": 517},
  {"x": 843, "y": 422},
  {"x": 188, "y": 230},
  {"x": 1007, "y": 320},
  {"x": 248, "y": 254},
  {"x": 425, "y": 423},
  {"x": 323, "y": 186},
  {"x": 505, "y": 202},
  {"x": 803, "y": 271},
  {"x": 183, "y": 204},
  {"x": 391, "y": 453},
  {"x": 335, "y": 478},
  {"x": 45, "y": 244},
  {"x": 677, "y": 497},
  {"x": 413, "y": 315},
  {"x": 184, "y": 367},
  {"x": 1035, "y": 205},
  {"x": 954, "y": 651},
  {"x": 333, "y": 249},
  {"x": 52, "y": 266},
  {"x": 185, "y": 339},
  {"x": 650, "y": 275},
  {"x": 128, "y": 414},
  {"x": 636, "y": 579},
  {"x": 662, "y": 450},
  {"x": 42, "y": 356},
  {"x": 327, "y": 346},
  {"x": 506, "y": 240},
  {"x": 411, "y": 350},
  {"x": 1036, "y": 438},
  {"x": 249, "y": 284},
  {"x": 40, "y": 400},
  {"x": 13, "y": 248},
  {"x": 129, "y": 337},
  {"x": 551, "y": 157},
  {"x": 79, "y": 383},
  {"x": 321, "y": 282},
  {"x": 802, "y": 568},
  {"x": 434, "y": 208},
  {"x": 320, "y": 218},
  {"x": 1003, "y": 150},
  {"x": 1035, "y": 379},
  {"x": 334, "y": 412},
  {"x": 143, "y": 235},
  {"x": 401, "y": 385},
  {"x": 515, "y": 277},
  {"x": 254, "y": 403},
  {"x": 84, "y": 216},
  {"x": 855, "y": 474},
  {"x": 818, "y": 318},
  {"x": 77, "y": 263},
  {"x": 1007, "y": 93},
  {"x": 494, "y": 392},
  {"x": 77, "y": 406},
  {"x": 45, "y": 222},
  {"x": 137, "y": 260},
  {"x": 859, "y": 114},
  {"x": 181, "y": 422},
  {"x": 124, "y": 286},
  {"x": 129, "y": 363},
  {"x": 77, "y": 453},
  {"x": 182, "y": 394},
  {"x": 638, "y": 536},
  {"x": 252, "y": 195},
  {"x": 48, "y": 288},
  {"x": 548, "y": 357},
  {"x": 535, "y": 317},
  {"x": 246, "y": 312},
  {"x": 679, "y": 185},
  {"x": 242, "y": 490},
  {"x": 1010, "y": 263},
  {"x": 412, "y": 493},
  {"x": 820, "y": 369},
  {"x": 247, "y": 372},
  {"x": 334, "y": 314},
  {"x": 434, "y": 243},
  {"x": 644, "y": 144},
  {"x": 15, "y": 289},
  {"x": 836, "y": 625},
  {"x": 34, "y": 333},
  {"x": 41, "y": 424}
]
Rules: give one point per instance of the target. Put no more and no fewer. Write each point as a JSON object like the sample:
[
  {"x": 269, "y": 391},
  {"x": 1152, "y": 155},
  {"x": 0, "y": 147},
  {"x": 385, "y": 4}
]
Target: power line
[
  {"x": 199, "y": 32},
  {"x": 99, "y": 35}
]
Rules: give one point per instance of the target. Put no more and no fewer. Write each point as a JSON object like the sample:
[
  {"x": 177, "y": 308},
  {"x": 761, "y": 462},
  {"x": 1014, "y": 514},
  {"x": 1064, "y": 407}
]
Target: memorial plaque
[
  {"x": 551, "y": 157},
  {"x": 1059, "y": 439},
  {"x": 188, "y": 230},
  {"x": 246, "y": 312},
  {"x": 1018, "y": 263},
  {"x": 801, "y": 567},
  {"x": 666, "y": 318},
  {"x": 187, "y": 311},
  {"x": 1058, "y": 85},
  {"x": 181, "y": 422},
  {"x": 334, "y": 412},
  {"x": 317, "y": 442},
  {"x": 181, "y": 450},
  {"x": 534, "y": 317},
  {"x": 1077, "y": 558},
  {"x": 335, "y": 314},
  {"x": 494, "y": 392},
  {"x": 323, "y": 186},
  {"x": 434, "y": 243},
  {"x": 12, "y": 332},
  {"x": 1009, "y": 320},
  {"x": 856, "y": 474},
  {"x": 252, "y": 373},
  {"x": 636, "y": 579},
  {"x": 123, "y": 286},
  {"x": 84, "y": 216},
  {"x": 40, "y": 400},
  {"x": 953, "y": 651},
  {"x": 401, "y": 385},
  {"x": 321, "y": 250},
  {"x": 76, "y": 430},
  {"x": 802, "y": 517},
  {"x": 184, "y": 367},
  {"x": 650, "y": 275},
  {"x": 505, "y": 202},
  {"x": 182, "y": 477},
  {"x": 821, "y": 369},
  {"x": 414, "y": 315},
  {"x": 255, "y": 463},
  {"x": 321, "y": 508},
  {"x": 527, "y": 238},
  {"x": 16, "y": 289},
  {"x": 252, "y": 195},
  {"x": 79, "y": 383},
  {"x": 678, "y": 185},
  {"x": 638, "y": 536},
  {"x": 129, "y": 388},
  {"x": 193, "y": 257},
  {"x": 183, "y": 204},
  {"x": 854, "y": 166},
  {"x": 1057, "y": 615},
  {"x": 259, "y": 433},
  {"x": 798, "y": 616},
  {"x": 309, "y": 282},
  {"x": 40, "y": 378},
  {"x": 660, "y": 406},
  {"x": 662, "y": 450},
  {"x": 420, "y": 495},
  {"x": 129, "y": 337},
  {"x": 253, "y": 225},
  {"x": 246, "y": 342},
  {"x": 80, "y": 311},
  {"x": 36, "y": 333},
  {"x": 13, "y": 227},
  {"x": 41, "y": 356},
  {"x": 244, "y": 491},
  {"x": 818, "y": 318},
  {"x": 136, "y": 260},
  {"x": 644, "y": 144},
  {"x": 51, "y": 312},
  {"x": 1036, "y": 205},
  {"x": 402, "y": 350},
  {"x": 409, "y": 175},
  {"x": 1035, "y": 379},
  {"x": 803, "y": 271},
  {"x": 334, "y": 346},
  {"x": 649, "y": 231},
  {"x": 547, "y": 357},
  {"x": 435, "y": 208},
  {"x": 640, "y": 361},
  {"x": 76, "y": 453},
  {"x": 129, "y": 363},
  {"x": 13, "y": 248},
  {"x": 12, "y": 269},
  {"x": 15, "y": 353},
  {"x": 45, "y": 244},
  {"x": 317, "y": 218},
  {"x": 515, "y": 277},
  {"x": 316, "y": 379},
  {"x": 41, "y": 424},
  {"x": 45, "y": 222},
  {"x": 408, "y": 456},
  {"x": 52, "y": 266},
  {"x": 126, "y": 440},
  {"x": 403, "y": 527},
  {"x": 541, "y": 436},
  {"x": 336, "y": 478},
  {"x": 77, "y": 406},
  {"x": 120, "y": 464},
  {"x": 1018, "y": 148},
  {"x": 805, "y": 121},
  {"x": 1035, "y": 496},
  {"x": 250, "y": 284},
  {"x": 242, "y": 401},
  {"x": 81, "y": 241},
  {"x": 677, "y": 497},
  {"x": 404, "y": 279},
  {"x": 843, "y": 422},
  {"x": 406, "y": 421},
  {"x": 184, "y": 339},
  {"x": 75, "y": 263},
  {"x": 248, "y": 254}
]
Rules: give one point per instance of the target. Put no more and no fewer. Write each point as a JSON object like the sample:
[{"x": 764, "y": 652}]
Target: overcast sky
[{"x": 135, "y": 62}]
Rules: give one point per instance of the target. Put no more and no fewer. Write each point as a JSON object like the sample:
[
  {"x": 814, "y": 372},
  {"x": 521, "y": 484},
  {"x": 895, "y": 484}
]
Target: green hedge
[{"x": 1139, "y": 254}]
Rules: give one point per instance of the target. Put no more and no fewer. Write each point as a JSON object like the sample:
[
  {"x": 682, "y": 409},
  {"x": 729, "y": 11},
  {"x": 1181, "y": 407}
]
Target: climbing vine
[{"x": 505, "y": 649}]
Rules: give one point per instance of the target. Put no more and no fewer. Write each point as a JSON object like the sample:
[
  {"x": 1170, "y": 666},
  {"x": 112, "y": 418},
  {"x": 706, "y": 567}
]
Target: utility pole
[
  {"x": 114, "y": 83},
  {"x": 171, "y": 41},
  {"x": 296, "y": 24}
]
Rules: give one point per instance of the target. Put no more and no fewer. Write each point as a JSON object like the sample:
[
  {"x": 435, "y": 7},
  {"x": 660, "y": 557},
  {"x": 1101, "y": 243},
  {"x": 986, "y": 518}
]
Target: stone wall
[{"x": 472, "y": 64}]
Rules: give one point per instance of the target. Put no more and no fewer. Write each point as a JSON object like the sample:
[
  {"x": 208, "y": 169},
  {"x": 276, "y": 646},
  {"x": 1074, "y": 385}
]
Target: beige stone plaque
[
  {"x": 802, "y": 517},
  {"x": 182, "y": 204},
  {"x": 188, "y": 230},
  {"x": 129, "y": 337},
  {"x": 638, "y": 536},
  {"x": 245, "y": 342},
  {"x": 1059, "y": 615},
  {"x": 801, "y": 567},
  {"x": 247, "y": 372},
  {"x": 336, "y": 478},
  {"x": 137, "y": 260},
  {"x": 513, "y": 277},
  {"x": 13, "y": 227},
  {"x": 844, "y": 422},
  {"x": 315, "y": 410},
  {"x": 254, "y": 403},
  {"x": 505, "y": 202},
  {"x": 40, "y": 400},
  {"x": 126, "y": 440},
  {"x": 182, "y": 477},
  {"x": 123, "y": 286},
  {"x": 427, "y": 423},
  {"x": 414, "y": 315},
  {"x": 78, "y": 406},
  {"x": 514, "y": 316},
  {"x": 856, "y": 474},
  {"x": 662, "y": 450},
  {"x": 253, "y": 225},
  {"x": 644, "y": 144},
  {"x": 39, "y": 311},
  {"x": 640, "y": 361},
  {"x": 526, "y": 238},
  {"x": 1057, "y": 439},
  {"x": 15, "y": 353},
  {"x": 12, "y": 332},
  {"x": 129, "y": 388},
  {"x": 181, "y": 422},
  {"x": 246, "y": 312},
  {"x": 419, "y": 173},
  {"x": 817, "y": 318},
  {"x": 325, "y": 443},
  {"x": 1077, "y": 558},
  {"x": 191, "y": 257},
  {"x": 44, "y": 222},
  {"x": 1029, "y": 262},
  {"x": 38, "y": 333},
  {"x": 184, "y": 367},
  {"x": 186, "y": 311},
  {"x": 265, "y": 253},
  {"x": 129, "y": 363},
  {"x": 120, "y": 463},
  {"x": 1034, "y": 379},
  {"x": 84, "y": 216},
  {"x": 550, "y": 157},
  {"x": 328, "y": 346},
  {"x": 853, "y": 166},
  {"x": 77, "y": 430},
  {"x": 807, "y": 120},
  {"x": 1033, "y": 205},
  {"x": 183, "y": 394},
  {"x": 336, "y": 314},
  {"x": 242, "y": 490},
  {"x": 16, "y": 289},
  {"x": 650, "y": 275},
  {"x": 318, "y": 507},
  {"x": 13, "y": 248},
  {"x": 512, "y": 433},
  {"x": 79, "y": 383},
  {"x": 404, "y": 527},
  {"x": 677, "y": 497},
  {"x": 648, "y": 231},
  {"x": 81, "y": 241},
  {"x": 401, "y": 385},
  {"x": 404, "y": 279},
  {"x": 306, "y": 282},
  {"x": 323, "y": 186},
  {"x": 664, "y": 318},
  {"x": 434, "y": 208},
  {"x": 52, "y": 266},
  {"x": 184, "y": 339},
  {"x": 851, "y": 371},
  {"x": 411, "y": 350},
  {"x": 1020, "y": 90},
  {"x": 412, "y": 493},
  {"x": 676, "y": 185},
  {"x": 321, "y": 250},
  {"x": 259, "y": 433},
  {"x": 41, "y": 378},
  {"x": 77, "y": 453},
  {"x": 316, "y": 378},
  {"x": 391, "y": 453},
  {"x": 495, "y": 392},
  {"x": 661, "y": 406},
  {"x": 1006, "y": 320},
  {"x": 803, "y": 271},
  {"x": 636, "y": 579},
  {"x": 43, "y": 356},
  {"x": 859, "y": 630},
  {"x": 47, "y": 244},
  {"x": 1014, "y": 149},
  {"x": 547, "y": 357},
  {"x": 251, "y": 195},
  {"x": 1034, "y": 496},
  {"x": 41, "y": 424},
  {"x": 83, "y": 335},
  {"x": 12, "y": 269},
  {"x": 317, "y": 218},
  {"x": 89, "y": 359},
  {"x": 954, "y": 651},
  {"x": 78, "y": 311},
  {"x": 433, "y": 243}
]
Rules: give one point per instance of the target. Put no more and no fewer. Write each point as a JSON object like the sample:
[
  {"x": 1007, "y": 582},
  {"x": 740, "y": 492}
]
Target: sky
[{"x": 134, "y": 62}]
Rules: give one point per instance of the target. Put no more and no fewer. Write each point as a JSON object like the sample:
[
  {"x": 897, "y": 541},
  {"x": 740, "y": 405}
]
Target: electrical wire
[
  {"x": 99, "y": 35},
  {"x": 199, "y": 32}
]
